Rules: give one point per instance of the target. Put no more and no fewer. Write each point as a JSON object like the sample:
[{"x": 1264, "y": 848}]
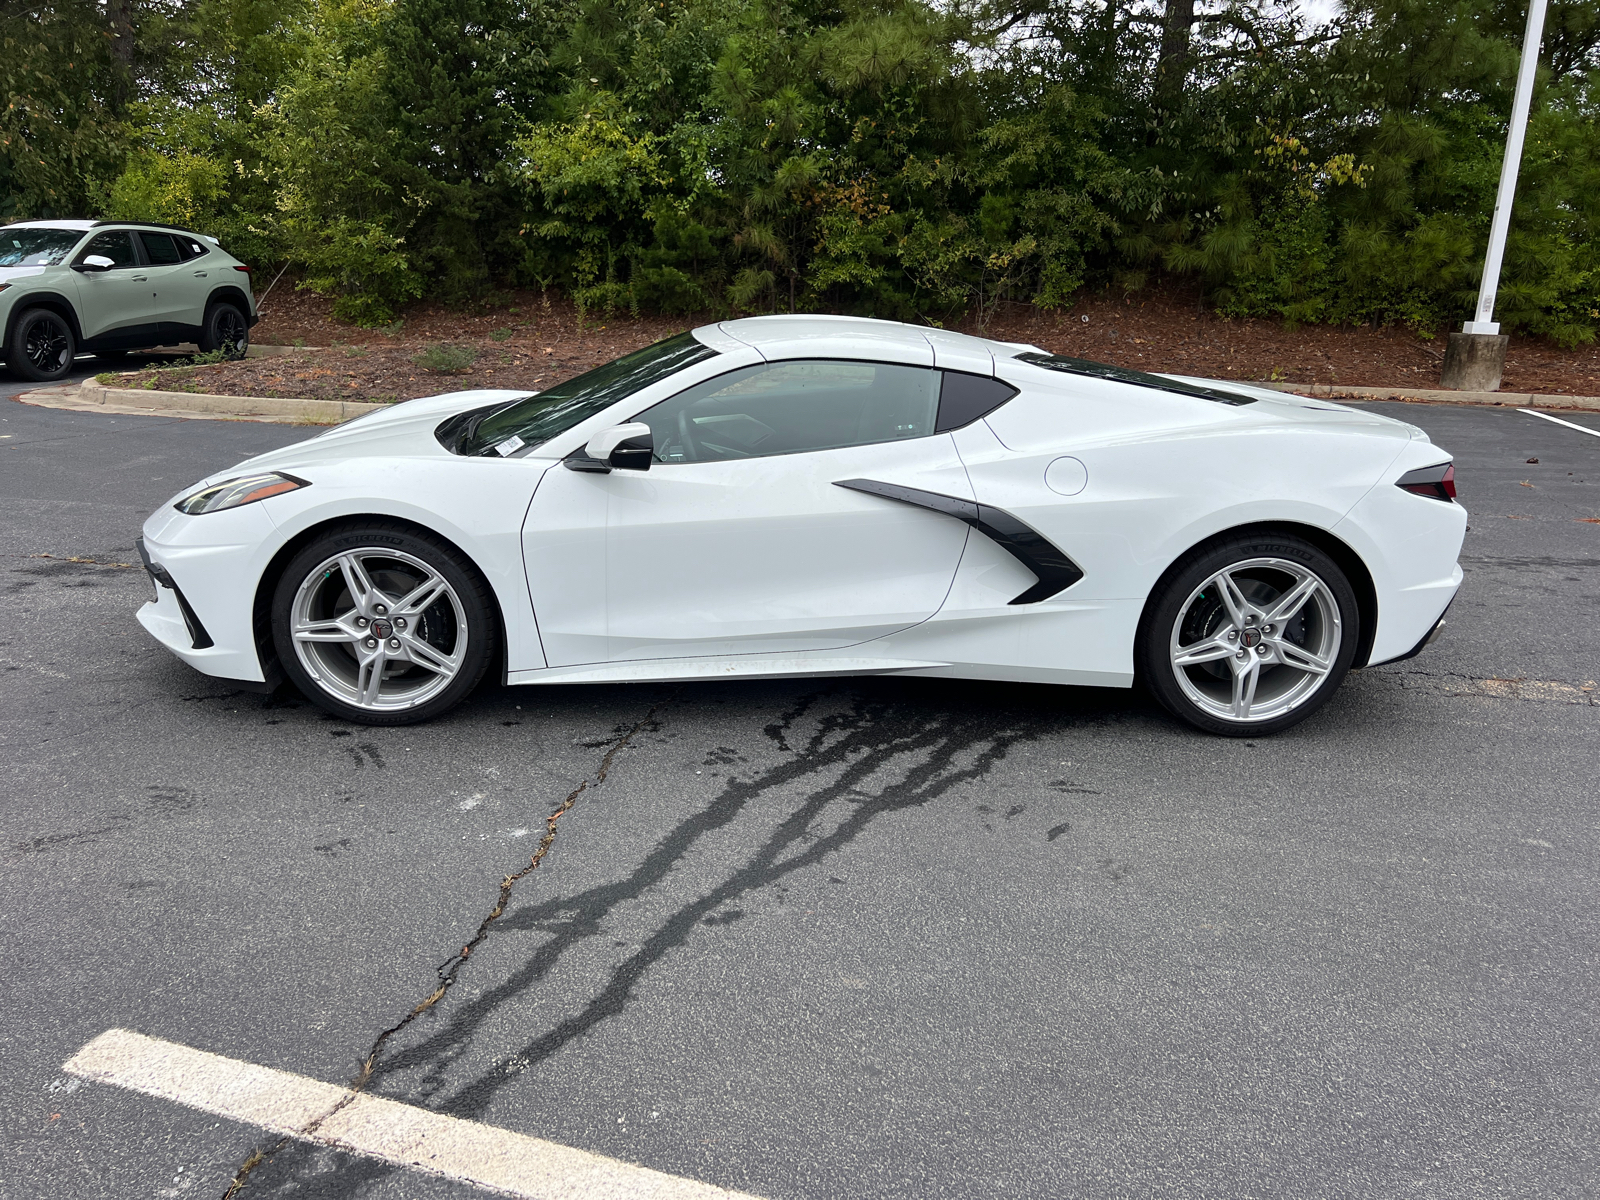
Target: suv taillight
[{"x": 1437, "y": 483}]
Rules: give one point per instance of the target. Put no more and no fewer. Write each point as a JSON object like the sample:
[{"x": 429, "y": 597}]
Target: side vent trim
[{"x": 1056, "y": 572}]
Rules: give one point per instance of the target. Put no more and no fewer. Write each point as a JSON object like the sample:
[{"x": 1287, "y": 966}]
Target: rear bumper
[
  {"x": 1410, "y": 544},
  {"x": 1428, "y": 639}
]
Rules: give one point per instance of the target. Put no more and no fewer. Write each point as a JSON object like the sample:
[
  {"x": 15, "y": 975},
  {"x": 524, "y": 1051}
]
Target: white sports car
[{"x": 811, "y": 496}]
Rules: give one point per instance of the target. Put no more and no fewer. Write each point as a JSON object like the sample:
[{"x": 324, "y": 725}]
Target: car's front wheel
[
  {"x": 42, "y": 346},
  {"x": 382, "y": 624},
  {"x": 225, "y": 329},
  {"x": 1249, "y": 635}
]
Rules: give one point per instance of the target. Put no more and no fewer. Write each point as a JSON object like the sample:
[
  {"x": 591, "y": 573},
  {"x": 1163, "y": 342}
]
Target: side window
[
  {"x": 964, "y": 398},
  {"x": 117, "y": 246},
  {"x": 189, "y": 247},
  {"x": 160, "y": 249},
  {"x": 792, "y": 407}
]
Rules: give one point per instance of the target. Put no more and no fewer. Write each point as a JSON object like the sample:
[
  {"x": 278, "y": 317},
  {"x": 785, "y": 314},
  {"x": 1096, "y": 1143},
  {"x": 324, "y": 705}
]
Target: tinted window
[
  {"x": 160, "y": 249},
  {"x": 190, "y": 247},
  {"x": 790, "y": 407},
  {"x": 36, "y": 247},
  {"x": 118, "y": 247},
  {"x": 964, "y": 398},
  {"x": 539, "y": 418},
  {"x": 1082, "y": 366}
]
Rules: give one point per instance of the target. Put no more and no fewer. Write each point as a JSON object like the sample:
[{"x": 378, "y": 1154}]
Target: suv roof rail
[{"x": 149, "y": 225}]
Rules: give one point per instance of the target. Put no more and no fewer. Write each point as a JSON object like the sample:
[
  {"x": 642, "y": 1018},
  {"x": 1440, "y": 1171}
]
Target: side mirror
[
  {"x": 94, "y": 262},
  {"x": 623, "y": 447}
]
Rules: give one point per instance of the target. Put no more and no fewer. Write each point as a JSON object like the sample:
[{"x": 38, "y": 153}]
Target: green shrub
[{"x": 446, "y": 360}]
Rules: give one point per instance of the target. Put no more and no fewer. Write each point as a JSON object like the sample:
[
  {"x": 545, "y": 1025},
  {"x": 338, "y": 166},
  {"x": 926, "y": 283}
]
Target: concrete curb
[
  {"x": 1334, "y": 391},
  {"x": 289, "y": 411},
  {"x": 264, "y": 350}
]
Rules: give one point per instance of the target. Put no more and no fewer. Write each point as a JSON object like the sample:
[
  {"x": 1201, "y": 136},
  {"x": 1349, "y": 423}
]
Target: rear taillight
[
  {"x": 246, "y": 270},
  {"x": 1437, "y": 483}
]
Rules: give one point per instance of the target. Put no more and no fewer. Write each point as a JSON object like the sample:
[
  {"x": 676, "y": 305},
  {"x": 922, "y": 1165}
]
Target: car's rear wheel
[
  {"x": 225, "y": 329},
  {"x": 381, "y": 624},
  {"x": 1249, "y": 635},
  {"x": 42, "y": 346}
]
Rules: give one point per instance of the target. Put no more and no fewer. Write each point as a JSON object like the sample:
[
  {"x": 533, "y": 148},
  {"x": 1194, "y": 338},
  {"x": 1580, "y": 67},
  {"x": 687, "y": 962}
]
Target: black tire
[
  {"x": 42, "y": 346},
  {"x": 334, "y": 670},
  {"x": 226, "y": 329},
  {"x": 1296, "y": 663}
]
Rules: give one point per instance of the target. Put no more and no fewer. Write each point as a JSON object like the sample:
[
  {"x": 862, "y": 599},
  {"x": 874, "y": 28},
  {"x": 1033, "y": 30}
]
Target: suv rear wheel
[
  {"x": 42, "y": 346},
  {"x": 225, "y": 329}
]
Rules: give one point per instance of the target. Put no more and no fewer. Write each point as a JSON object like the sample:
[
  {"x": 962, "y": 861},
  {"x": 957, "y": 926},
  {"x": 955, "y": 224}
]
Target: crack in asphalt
[
  {"x": 93, "y": 562},
  {"x": 1533, "y": 691},
  {"x": 448, "y": 970}
]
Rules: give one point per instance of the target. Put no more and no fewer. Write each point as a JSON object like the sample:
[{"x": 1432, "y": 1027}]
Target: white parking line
[
  {"x": 495, "y": 1159},
  {"x": 1559, "y": 421}
]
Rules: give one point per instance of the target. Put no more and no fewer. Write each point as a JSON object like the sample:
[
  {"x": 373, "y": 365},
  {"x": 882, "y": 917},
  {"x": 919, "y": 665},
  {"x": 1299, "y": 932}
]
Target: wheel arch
[
  {"x": 1351, "y": 563},
  {"x": 228, "y": 293},
  {"x": 261, "y": 605},
  {"x": 51, "y": 300}
]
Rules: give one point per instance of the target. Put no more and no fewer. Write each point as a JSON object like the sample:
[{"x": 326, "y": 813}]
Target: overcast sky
[{"x": 1320, "y": 11}]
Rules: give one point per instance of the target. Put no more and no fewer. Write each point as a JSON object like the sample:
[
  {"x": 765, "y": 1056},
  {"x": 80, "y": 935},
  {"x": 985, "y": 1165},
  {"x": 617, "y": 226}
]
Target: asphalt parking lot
[{"x": 816, "y": 939}]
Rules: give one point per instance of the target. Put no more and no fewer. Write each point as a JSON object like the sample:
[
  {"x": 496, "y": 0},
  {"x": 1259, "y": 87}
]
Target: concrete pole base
[{"x": 1474, "y": 362}]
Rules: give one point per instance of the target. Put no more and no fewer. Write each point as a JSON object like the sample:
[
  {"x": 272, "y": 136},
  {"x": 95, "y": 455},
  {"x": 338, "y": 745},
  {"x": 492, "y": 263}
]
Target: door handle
[
  {"x": 199, "y": 274},
  {"x": 140, "y": 278}
]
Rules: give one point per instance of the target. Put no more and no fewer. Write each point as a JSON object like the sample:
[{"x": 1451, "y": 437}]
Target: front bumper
[{"x": 204, "y": 571}]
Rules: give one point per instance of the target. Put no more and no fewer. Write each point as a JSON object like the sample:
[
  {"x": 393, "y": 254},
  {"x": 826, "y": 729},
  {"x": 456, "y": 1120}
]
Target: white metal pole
[{"x": 1484, "y": 318}]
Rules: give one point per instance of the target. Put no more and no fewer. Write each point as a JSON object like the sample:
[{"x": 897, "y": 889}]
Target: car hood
[
  {"x": 12, "y": 274},
  {"x": 403, "y": 430}
]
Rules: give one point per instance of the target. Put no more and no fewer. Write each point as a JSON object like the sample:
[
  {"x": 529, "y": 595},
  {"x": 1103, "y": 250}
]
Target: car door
[
  {"x": 178, "y": 295},
  {"x": 739, "y": 539},
  {"x": 115, "y": 306}
]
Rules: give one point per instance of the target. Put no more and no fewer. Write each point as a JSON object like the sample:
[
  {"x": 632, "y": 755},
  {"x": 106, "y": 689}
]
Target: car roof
[
  {"x": 77, "y": 226},
  {"x": 83, "y": 226},
  {"x": 797, "y": 335}
]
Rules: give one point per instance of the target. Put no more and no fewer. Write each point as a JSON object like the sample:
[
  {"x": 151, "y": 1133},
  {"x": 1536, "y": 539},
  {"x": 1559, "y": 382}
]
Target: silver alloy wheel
[
  {"x": 1256, "y": 640},
  {"x": 379, "y": 629}
]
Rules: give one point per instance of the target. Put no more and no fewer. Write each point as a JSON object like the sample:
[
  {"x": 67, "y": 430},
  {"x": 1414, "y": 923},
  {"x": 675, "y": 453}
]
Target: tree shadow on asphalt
[{"x": 876, "y": 747}]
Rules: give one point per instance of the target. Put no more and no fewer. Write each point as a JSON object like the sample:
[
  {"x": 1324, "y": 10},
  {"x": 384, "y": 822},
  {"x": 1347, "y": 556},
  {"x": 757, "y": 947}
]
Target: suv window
[
  {"x": 160, "y": 249},
  {"x": 36, "y": 247},
  {"x": 117, "y": 246},
  {"x": 190, "y": 247},
  {"x": 792, "y": 407}
]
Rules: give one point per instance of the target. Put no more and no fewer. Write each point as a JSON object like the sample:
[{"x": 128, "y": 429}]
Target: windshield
[
  {"x": 536, "y": 419},
  {"x": 1082, "y": 366},
  {"x": 36, "y": 247}
]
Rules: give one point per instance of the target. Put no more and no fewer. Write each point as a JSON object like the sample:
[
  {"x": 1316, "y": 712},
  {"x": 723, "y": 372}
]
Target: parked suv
[{"x": 108, "y": 287}]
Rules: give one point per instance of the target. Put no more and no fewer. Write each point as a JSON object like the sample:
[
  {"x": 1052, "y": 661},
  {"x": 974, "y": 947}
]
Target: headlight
[{"x": 231, "y": 493}]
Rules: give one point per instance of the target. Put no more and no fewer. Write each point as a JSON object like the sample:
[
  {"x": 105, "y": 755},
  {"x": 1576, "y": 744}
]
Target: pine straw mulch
[{"x": 532, "y": 341}]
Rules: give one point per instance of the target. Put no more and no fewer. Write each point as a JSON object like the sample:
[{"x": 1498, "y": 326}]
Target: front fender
[{"x": 478, "y": 504}]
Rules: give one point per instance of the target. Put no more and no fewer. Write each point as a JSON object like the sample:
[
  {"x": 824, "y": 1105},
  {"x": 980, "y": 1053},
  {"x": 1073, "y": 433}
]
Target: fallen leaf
[
  {"x": 1533, "y": 460},
  {"x": 1589, "y": 520},
  {"x": 1515, "y": 517},
  {"x": 1526, "y": 484}
]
